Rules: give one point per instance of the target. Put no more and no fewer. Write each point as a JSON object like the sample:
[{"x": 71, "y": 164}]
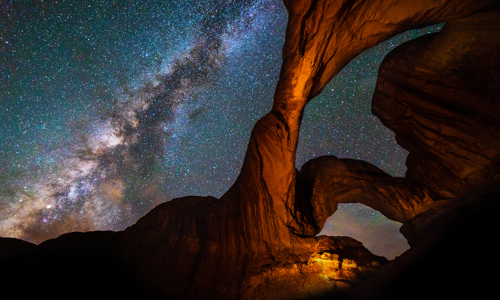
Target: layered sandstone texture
[
  {"x": 440, "y": 95},
  {"x": 327, "y": 181}
]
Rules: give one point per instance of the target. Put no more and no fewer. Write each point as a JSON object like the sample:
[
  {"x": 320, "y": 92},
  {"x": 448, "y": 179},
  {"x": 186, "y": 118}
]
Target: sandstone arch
[
  {"x": 258, "y": 241},
  {"x": 259, "y": 226}
]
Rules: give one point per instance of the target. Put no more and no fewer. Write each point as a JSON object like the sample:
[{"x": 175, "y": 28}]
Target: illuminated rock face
[
  {"x": 197, "y": 254},
  {"x": 336, "y": 264}
]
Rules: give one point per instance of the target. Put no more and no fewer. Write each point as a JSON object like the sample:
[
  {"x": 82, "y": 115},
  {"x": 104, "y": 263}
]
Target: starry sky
[{"x": 109, "y": 108}]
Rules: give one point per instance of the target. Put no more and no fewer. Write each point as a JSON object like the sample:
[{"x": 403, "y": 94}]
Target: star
[{"x": 112, "y": 108}]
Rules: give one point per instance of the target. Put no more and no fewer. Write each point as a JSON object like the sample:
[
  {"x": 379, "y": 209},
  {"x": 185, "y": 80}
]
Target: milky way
[{"x": 110, "y": 108}]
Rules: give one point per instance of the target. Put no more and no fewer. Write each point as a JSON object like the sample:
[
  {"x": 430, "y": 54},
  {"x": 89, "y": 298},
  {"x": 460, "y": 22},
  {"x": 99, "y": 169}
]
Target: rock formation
[
  {"x": 327, "y": 181},
  {"x": 440, "y": 95},
  {"x": 260, "y": 223},
  {"x": 258, "y": 241},
  {"x": 454, "y": 259}
]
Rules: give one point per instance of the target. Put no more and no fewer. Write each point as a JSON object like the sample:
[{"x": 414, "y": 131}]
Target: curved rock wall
[
  {"x": 328, "y": 181},
  {"x": 440, "y": 95}
]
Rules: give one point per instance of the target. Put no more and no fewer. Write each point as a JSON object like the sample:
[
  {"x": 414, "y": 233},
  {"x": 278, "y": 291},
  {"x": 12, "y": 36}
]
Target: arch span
[{"x": 327, "y": 181}]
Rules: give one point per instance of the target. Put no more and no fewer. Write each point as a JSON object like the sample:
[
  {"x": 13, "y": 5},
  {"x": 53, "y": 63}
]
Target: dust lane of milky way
[{"x": 112, "y": 107}]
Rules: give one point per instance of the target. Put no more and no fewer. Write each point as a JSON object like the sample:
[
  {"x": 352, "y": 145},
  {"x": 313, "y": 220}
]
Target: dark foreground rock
[
  {"x": 456, "y": 259},
  {"x": 83, "y": 265},
  {"x": 75, "y": 265}
]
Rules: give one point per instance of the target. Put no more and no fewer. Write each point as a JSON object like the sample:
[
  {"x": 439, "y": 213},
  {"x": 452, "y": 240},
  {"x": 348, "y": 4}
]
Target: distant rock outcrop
[{"x": 258, "y": 241}]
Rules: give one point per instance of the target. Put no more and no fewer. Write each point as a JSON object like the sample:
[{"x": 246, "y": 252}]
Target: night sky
[{"x": 109, "y": 108}]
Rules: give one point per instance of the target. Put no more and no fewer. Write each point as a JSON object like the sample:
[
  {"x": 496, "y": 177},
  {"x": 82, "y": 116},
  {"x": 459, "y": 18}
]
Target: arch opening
[{"x": 378, "y": 234}]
